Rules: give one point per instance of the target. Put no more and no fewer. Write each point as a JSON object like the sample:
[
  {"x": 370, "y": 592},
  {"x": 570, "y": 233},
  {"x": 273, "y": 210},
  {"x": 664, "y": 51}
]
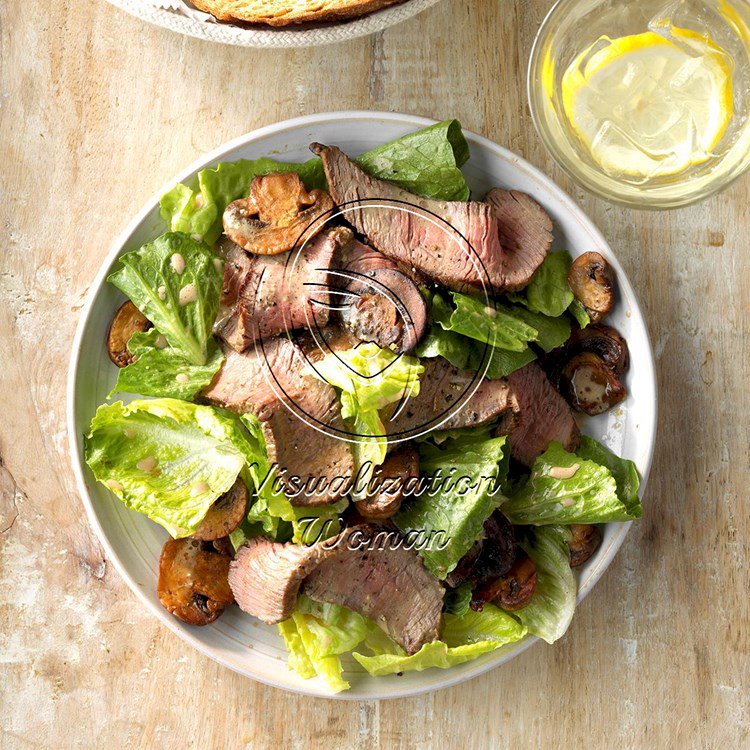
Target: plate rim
[
  {"x": 119, "y": 246},
  {"x": 286, "y": 37}
]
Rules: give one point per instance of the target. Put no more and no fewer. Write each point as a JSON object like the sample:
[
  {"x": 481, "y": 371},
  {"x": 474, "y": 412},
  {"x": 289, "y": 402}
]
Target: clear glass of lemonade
[{"x": 645, "y": 102}]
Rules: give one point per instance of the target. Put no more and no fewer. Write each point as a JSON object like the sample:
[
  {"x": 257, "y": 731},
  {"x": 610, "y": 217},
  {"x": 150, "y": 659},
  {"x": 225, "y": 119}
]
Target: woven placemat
[{"x": 182, "y": 17}]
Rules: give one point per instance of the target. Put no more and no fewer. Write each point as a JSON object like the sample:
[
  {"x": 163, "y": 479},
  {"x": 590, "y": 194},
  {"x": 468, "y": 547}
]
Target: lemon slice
[{"x": 648, "y": 105}]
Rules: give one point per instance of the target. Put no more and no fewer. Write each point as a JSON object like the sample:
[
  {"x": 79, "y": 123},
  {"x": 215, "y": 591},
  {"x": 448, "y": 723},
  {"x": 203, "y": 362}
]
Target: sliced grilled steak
[
  {"x": 525, "y": 235},
  {"x": 444, "y": 389},
  {"x": 264, "y": 295},
  {"x": 372, "y": 573},
  {"x": 499, "y": 242},
  {"x": 382, "y": 304},
  {"x": 265, "y": 576},
  {"x": 543, "y": 415},
  {"x": 415, "y": 237},
  {"x": 305, "y": 455}
]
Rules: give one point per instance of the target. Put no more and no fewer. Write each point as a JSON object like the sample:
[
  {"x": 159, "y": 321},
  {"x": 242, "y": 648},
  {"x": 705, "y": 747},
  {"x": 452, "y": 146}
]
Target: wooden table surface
[{"x": 98, "y": 111}]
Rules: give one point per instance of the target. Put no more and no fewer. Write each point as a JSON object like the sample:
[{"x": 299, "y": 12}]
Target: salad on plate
[{"x": 351, "y": 393}]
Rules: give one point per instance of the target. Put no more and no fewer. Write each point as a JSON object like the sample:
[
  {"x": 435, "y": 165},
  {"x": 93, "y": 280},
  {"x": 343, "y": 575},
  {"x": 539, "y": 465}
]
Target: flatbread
[{"x": 287, "y": 12}]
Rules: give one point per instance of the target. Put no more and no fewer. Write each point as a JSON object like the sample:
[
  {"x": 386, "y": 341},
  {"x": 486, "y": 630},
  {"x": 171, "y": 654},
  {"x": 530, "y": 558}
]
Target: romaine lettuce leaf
[
  {"x": 466, "y": 478},
  {"x": 317, "y": 634},
  {"x": 551, "y": 608},
  {"x": 464, "y": 638},
  {"x": 426, "y": 162},
  {"x": 168, "y": 459},
  {"x": 337, "y": 630},
  {"x": 458, "y": 600},
  {"x": 175, "y": 282},
  {"x": 565, "y": 488},
  {"x": 373, "y": 377},
  {"x": 297, "y": 657},
  {"x": 468, "y": 354},
  {"x": 506, "y": 327},
  {"x": 368, "y": 379},
  {"x": 163, "y": 371},
  {"x": 623, "y": 470},
  {"x": 494, "y": 324},
  {"x": 550, "y": 332},
  {"x": 578, "y": 311},
  {"x": 548, "y": 292}
]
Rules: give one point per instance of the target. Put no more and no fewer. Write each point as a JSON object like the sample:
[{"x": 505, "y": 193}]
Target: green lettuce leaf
[
  {"x": 578, "y": 311},
  {"x": 337, "y": 630},
  {"x": 458, "y": 600},
  {"x": 297, "y": 657},
  {"x": 551, "y": 608},
  {"x": 466, "y": 478},
  {"x": 317, "y": 634},
  {"x": 495, "y": 324},
  {"x": 468, "y": 354},
  {"x": 464, "y": 638},
  {"x": 168, "y": 459},
  {"x": 425, "y": 162},
  {"x": 623, "y": 470},
  {"x": 548, "y": 292},
  {"x": 163, "y": 371},
  {"x": 175, "y": 282},
  {"x": 588, "y": 495},
  {"x": 550, "y": 332},
  {"x": 368, "y": 379},
  {"x": 506, "y": 327}
]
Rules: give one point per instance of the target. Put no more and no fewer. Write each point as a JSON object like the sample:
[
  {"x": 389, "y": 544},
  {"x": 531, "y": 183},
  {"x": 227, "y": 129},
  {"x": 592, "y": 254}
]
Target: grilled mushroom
[
  {"x": 490, "y": 557},
  {"x": 592, "y": 282},
  {"x": 401, "y": 466},
  {"x": 278, "y": 215},
  {"x": 584, "y": 541},
  {"x": 602, "y": 340},
  {"x": 193, "y": 583},
  {"x": 225, "y": 515},
  {"x": 127, "y": 321},
  {"x": 498, "y": 549},
  {"x": 512, "y": 591},
  {"x": 589, "y": 385}
]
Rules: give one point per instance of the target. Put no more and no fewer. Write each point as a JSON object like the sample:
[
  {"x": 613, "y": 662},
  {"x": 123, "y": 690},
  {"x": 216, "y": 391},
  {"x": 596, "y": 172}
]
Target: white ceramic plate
[
  {"x": 134, "y": 543},
  {"x": 178, "y": 16}
]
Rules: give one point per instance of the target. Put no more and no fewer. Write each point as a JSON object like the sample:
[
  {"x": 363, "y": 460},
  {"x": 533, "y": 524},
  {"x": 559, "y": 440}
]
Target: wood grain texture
[{"x": 98, "y": 111}]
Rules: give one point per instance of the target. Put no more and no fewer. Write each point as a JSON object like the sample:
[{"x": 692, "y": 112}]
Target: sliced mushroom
[
  {"x": 489, "y": 557},
  {"x": 127, "y": 321},
  {"x": 394, "y": 477},
  {"x": 592, "y": 282},
  {"x": 193, "y": 583},
  {"x": 225, "y": 515},
  {"x": 462, "y": 572},
  {"x": 589, "y": 385},
  {"x": 498, "y": 549},
  {"x": 584, "y": 541},
  {"x": 602, "y": 340},
  {"x": 512, "y": 591},
  {"x": 278, "y": 215}
]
